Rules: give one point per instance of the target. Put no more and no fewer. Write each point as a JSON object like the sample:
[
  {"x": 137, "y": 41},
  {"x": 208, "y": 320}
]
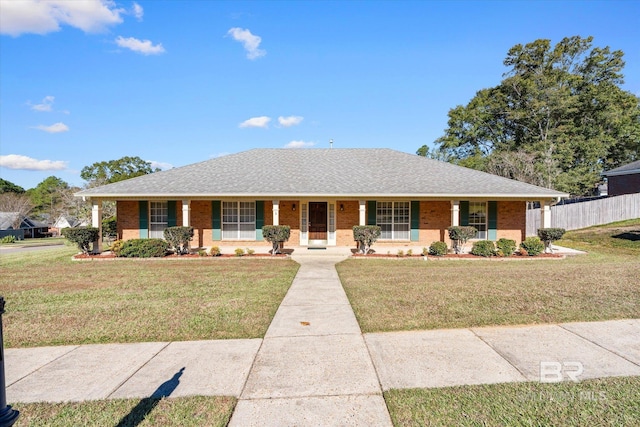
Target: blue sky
[{"x": 177, "y": 82}]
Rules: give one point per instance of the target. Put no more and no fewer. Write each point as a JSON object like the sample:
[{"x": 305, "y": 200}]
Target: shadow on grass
[
  {"x": 146, "y": 405},
  {"x": 633, "y": 235}
]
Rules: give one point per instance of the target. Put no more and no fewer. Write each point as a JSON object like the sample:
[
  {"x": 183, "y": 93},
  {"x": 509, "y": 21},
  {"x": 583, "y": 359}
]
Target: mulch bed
[
  {"x": 107, "y": 256},
  {"x": 461, "y": 257}
]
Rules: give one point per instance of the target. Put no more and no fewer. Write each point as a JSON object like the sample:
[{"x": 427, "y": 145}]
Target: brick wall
[
  {"x": 288, "y": 217},
  {"x": 623, "y": 184},
  {"x": 128, "y": 219},
  {"x": 345, "y": 220},
  {"x": 512, "y": 220}
]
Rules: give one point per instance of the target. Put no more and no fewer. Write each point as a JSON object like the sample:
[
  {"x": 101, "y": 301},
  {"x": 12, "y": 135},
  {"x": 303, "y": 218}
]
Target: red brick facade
[{"x": 435, "y": 217}]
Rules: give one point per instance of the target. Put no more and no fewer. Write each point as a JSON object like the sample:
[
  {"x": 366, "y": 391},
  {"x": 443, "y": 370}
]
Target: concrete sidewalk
[{"x": 314, "y": 366}]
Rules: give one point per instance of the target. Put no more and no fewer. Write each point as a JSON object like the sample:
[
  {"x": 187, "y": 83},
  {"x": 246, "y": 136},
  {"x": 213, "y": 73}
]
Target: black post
[{"x": 7, "y": 415}]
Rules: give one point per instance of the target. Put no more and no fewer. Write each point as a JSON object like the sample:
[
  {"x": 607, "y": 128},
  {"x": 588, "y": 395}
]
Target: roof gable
[{"x": 320, "y": 172}]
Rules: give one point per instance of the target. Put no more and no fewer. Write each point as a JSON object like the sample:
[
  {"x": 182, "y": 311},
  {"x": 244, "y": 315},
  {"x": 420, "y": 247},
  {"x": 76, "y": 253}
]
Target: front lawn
[
  {"x": 181, "y": 411},
  {"x": 601, "y": 402},
  {"x": 389, "y": 295},
  {"x": 51, "y": 300}
]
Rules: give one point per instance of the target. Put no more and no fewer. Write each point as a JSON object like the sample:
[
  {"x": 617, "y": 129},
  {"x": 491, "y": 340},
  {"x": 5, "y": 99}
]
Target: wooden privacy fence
[{"x": 586, "y": 214}]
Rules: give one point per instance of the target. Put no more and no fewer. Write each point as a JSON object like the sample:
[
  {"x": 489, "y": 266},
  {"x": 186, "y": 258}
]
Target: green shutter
[
  {"x": 464, "y": 213},
  {"x": 171, "y": 213},
  {"x": 259, "y": 219},
  {"x": 415, "y": 221},
  {"x": 492, "y": 225},
  {"x": 216, "y": 220},
  {"x": 371, "y": 212},
  {"x": 143, "y": 207}
]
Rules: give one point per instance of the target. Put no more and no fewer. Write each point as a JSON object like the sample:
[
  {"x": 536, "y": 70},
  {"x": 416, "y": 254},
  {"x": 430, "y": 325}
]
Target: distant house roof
[
  {"x": 8, "y": 218},
  {"x": 629, "y": 168},
  {"x": 281, "y": 173}
]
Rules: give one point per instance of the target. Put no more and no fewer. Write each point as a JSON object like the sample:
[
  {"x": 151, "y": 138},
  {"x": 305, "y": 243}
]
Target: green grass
[
  {"x": 601, "y": 402},
  {"x": 415, "y": 295},
  {"x": 48, "y": 241},
  {"x": 52, "y": 300},
  {"x": 182, "y": 411}
]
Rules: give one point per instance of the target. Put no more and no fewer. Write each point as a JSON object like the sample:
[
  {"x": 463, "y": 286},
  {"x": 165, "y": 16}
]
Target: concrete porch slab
[
  {"x": 360, "y": 410},
  {"x": 306, "y": 320},
  {"x": 439, "y": 358},
  {"x": 206, "y": 368},
  {"x": 527, "y": 347},
  {"x": 20, "y": 362},
  {"x": 87, "y": 373},
  {"x": 311, "y": 366},
  {"x": 619, "y": 336}
]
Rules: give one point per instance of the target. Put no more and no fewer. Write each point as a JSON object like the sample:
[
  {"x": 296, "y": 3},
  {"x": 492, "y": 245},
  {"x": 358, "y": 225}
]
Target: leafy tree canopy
[
  {"x": 106, "y": 172},
  {"x": 9, "y": 187},
  {"x": 558, "y": 118}
]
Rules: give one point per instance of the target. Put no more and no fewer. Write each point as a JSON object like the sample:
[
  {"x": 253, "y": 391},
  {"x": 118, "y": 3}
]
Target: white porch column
[
  {"x": 186, "y": 213},
  {"x": 363, "y": 212},
  {"x": 96, "y": 222},
  {"x": 545, "y": 215},
  {"x": 455, "y": 213},
  {"x": 276, "y": 212}
]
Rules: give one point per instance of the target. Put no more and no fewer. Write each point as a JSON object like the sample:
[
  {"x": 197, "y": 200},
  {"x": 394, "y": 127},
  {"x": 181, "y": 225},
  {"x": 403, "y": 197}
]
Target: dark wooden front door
[{"x": 317, "y": 221}]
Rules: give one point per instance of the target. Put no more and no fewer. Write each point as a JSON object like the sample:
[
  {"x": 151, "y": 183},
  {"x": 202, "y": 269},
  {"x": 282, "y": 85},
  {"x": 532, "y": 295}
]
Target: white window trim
[
  {"x": 485, "y": 223},
  {"x": 238, "y": 222},
  {"x": 156, "y": 228},
  {"x": 393, "y": 222}
]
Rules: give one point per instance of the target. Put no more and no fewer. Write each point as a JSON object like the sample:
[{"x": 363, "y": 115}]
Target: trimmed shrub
[
  {"x": 533, "y": 246},
  {"x": 116, "y": 247},
  {"x": 550, "y": 235},
  {"x": 214, "y": 251},
  {"x": 485, "y": 248},
  {"x": 202, "y": 252},
  {"x": 366, "y": 235},
  {"x": 179, "y": 238},
  {"x": 8, "y": 239},
  {"x": 250, "y": 251},
  {"x": 110, "y": 228},
  {"x": 438, "y": 249},
  {"x": 276, "y": 234},
  {"x": 239, "y": 252},
  {"x": 144, "y": 248},
  {"x": 506, "y": 246},
  {"x": 82, "y": 236},
  {"x": 460, "y": 235}
]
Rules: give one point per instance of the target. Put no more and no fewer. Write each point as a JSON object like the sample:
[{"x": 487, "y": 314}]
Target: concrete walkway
[{"x": 315, "y": 367}]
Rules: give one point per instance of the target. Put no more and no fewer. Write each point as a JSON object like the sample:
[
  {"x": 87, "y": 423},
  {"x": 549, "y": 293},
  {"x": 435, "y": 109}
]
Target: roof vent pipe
[{"x": 331, "y": 143}]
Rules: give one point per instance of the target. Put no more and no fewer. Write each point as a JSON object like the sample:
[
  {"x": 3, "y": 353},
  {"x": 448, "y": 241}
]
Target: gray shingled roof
[
  {"x": 320, "y": 173},
  {"x": 633, "y": 167}
]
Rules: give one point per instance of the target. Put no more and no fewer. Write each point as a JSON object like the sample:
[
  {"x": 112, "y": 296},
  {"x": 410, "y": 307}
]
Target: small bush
[
  {"x": 214, "y": 251},
  {"x": 116, "y": 247},
  {"x": 410, "y": 252},
  {"x": 533, "y": 246},
  {"x": 438, "y": 249},
  {"x": 485, "y": 248},
  {"x": 506, "y": 247},
  {"x": 144, "y": 248},
  {"x": 276, "y": 234},
  {"x": 202, "y": 252},
  {"x": 239, "y": 252},
  {"x": 460, "y": 235},
  {"x": 250, "y": 251},
  {"x": 83, "y": 237},
  {"x": 110, "y": 228},
  {"x": 179, "y": 238},
  {"x": 8, "y": 239},
  {"x": 400, "y": 253},
  {"x": 366, "y": 235},
  {"x": 550, "y": 235}
]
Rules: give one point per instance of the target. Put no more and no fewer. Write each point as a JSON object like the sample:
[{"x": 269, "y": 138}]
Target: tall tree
[
  {"x": 18, "y": 203},
  {"x": 560, "y": 107},
  {"x": 50, "y": 198},
  {"x": 106, "y": 172},
  {"x": 9, "y": 187}
]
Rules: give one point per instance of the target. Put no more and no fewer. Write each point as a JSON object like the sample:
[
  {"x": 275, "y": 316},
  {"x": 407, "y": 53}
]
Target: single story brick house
[
  {"x": 321, "y": 194},
  {"x": 624, "y": 179}
]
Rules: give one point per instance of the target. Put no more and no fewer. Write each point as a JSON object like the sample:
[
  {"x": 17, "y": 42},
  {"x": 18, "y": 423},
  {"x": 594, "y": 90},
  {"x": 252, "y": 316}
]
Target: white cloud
[
  {"x": 256, "y": 122},
  {"x": 250, "y": 42},
  {"x": 46, "y": 16},
  {"x": 290, "y": 121},
  {"x": 160, "y": 165},
  {"x": 300, "y": 144},
  {"x": 138, "y": 11},
  {"x": 45, "y": 105},
  {"x": 145, "y": 47},
  {"x": 16, "y": 161},
  {"x": 54, "y": 128}
]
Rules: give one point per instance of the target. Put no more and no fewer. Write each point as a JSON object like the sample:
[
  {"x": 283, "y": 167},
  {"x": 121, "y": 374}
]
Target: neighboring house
[
  {"x": 29, "y": 228},
  {"x": 624, "y": 179},
  {"x": 66, "y": 222},
  {"x": 321, "y": 194}
]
